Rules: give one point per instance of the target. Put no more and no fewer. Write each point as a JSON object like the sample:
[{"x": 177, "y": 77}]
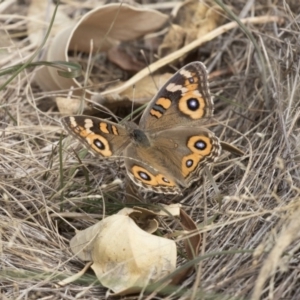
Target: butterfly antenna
[
  {"x": 150, "y": 72},
  {"x": 132, "y": 102}
]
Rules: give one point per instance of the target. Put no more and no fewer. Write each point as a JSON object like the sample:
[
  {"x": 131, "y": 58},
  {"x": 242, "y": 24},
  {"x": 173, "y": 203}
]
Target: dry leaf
[
  {"x": 185, "y": 50},
  {"x": 173, "y": 40},
  {"x": 124, "y": 256},
  {"x": 70, "y": 106},
  {"x": 104, "y": 27},
  {"x": 5, "y": 5},
  {"x": 192, "y": 244},
  {"x": 145, "y": 217},
  {"x": 38, "y": 12},
  {"x": 141, "y": 93},
  {"x": 171, "y": 209},
  {"x": 192, "y": 19},
  {"x": 124, "y": 60}
]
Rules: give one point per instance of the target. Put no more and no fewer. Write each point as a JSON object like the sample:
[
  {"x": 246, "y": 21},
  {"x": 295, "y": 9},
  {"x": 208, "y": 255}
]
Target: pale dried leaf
[
  {"x": 192, "y": 20},
  {"x": 146, "y": 88},
  {"x": 184, "y": 50},
  {"x": 70, "y": 106},
  {"x": 124, "y": 60},
  {"x": 82, "y": 243},
  {"x": 126, "y": 211},
  {"x": 5, "y": 5},
  {"x": 105, "y": 27},
  {"x": 124, "y": 256},
  {"x": 144, "y": 218},
  {"x": 38, "y": 12},
  {"x": 173, "y": 40},
  {"x": 141, "y": 93},
  {"x": 47, "y": 77},
  {"x": 214, "y": 17},
  {"x": 171, "y": 209},
  {"x": 122, "y": 22}
]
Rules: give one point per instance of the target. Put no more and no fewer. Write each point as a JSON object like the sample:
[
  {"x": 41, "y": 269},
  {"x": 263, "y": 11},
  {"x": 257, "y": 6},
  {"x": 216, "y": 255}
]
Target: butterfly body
[
  {"x": 139, "y": 138},
  {"x": 167, "y": 151}
]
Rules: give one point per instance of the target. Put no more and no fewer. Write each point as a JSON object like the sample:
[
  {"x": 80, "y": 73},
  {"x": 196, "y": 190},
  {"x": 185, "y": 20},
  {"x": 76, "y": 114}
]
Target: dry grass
[{"x": 260, "y": 192}]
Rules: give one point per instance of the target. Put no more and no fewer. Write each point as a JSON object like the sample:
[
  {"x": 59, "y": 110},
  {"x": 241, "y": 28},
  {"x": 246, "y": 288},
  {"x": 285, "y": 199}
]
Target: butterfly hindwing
[{"x": 176, "y": 158}]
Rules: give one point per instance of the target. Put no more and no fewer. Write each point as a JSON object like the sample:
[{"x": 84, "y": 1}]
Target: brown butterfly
[{"x": 169, "y": 148}]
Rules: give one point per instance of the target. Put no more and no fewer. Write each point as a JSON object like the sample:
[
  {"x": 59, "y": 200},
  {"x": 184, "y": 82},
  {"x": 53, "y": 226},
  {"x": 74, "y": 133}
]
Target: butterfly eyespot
[
  {"x": 193, "y": 104},
  {"x": 191, "y": 80},
  {"x": 189, "y": 163},
  {"x": 99, "y": 144},
  {"x": 144, "y": 176},
  {"x": 200, "y": 145}
]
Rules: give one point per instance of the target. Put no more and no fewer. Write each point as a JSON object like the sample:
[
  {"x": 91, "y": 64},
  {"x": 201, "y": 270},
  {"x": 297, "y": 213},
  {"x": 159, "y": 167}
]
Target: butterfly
[{"x": 170, "y": 146}]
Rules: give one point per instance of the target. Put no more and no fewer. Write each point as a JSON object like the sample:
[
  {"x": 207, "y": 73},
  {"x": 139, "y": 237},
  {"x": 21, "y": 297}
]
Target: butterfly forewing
[
  {"x": 103, "y": 137},
  {"x": 185, "y": 99}
]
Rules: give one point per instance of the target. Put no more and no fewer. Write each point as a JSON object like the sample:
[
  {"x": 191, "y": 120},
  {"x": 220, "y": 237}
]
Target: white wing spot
[
  {"x": 88, "y": 123},
  {"x": 197, "y": 93},
  {"x": 185, "y": 73},
  {"x": 174, "y": 88},
  {"x": 73, "y": 122}
]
